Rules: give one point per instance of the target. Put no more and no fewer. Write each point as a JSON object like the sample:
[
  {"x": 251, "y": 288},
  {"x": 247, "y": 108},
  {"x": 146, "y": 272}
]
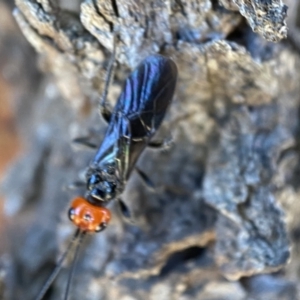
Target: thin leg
[
  {"x": 124, "y": 209},
  {"x": 163, "y": 145},
  {"x": 105, "y": 113},
  {"x": 148, "y": 182},
  {"x": 75, "y": 185},
  {"x": 85, "y": 142},
  {"x": 105, "y": 110},
  {"x": 167, "y": 143}
]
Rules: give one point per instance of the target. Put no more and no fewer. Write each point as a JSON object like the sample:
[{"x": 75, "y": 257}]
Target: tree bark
[{"x": 223, "y": 217}]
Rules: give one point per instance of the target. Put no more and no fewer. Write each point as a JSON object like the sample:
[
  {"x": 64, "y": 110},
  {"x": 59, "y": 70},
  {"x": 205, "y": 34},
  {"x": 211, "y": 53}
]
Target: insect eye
[
  {"x": 101, "y": 227},
  {"x": 71, "y": 213},
  {"x": 93, "y": 180}
]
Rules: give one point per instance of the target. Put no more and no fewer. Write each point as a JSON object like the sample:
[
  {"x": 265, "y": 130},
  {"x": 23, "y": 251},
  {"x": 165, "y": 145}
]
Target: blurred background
[{"x": 10, "y": 142}]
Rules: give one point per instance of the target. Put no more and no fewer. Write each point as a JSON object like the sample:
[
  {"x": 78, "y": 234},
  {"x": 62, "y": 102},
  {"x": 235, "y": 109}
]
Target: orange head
[{"x": 88, "y": 217}]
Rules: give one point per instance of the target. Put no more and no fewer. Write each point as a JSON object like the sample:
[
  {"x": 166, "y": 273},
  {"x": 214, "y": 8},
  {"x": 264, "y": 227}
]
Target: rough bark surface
[{"x": 221, "y": 223}]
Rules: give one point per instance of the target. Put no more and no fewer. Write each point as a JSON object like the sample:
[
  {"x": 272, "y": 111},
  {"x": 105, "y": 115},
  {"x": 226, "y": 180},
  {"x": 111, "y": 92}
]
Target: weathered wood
[{"x": 227, "y": 190}]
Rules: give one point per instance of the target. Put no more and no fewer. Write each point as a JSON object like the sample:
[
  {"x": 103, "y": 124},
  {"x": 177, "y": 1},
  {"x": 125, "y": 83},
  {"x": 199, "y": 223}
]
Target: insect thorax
[{"x": 103, "y": 184}]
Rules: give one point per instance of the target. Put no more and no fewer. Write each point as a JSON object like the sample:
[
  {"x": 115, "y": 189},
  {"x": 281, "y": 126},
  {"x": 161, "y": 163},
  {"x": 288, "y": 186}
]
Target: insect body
[{"x": 139, "y": 111}]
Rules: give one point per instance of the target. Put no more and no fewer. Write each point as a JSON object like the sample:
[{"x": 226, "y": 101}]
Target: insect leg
[
  {"x": 85, "y": 142},
  {"x": 74, "y": 185},
  {"x": 163, "y": 145},
  {"x": 145, "y": 178},
  {"x": 167, "y": 143},
  {"x": 124, "y": 209},
  {"x": 105, "y": 110}
]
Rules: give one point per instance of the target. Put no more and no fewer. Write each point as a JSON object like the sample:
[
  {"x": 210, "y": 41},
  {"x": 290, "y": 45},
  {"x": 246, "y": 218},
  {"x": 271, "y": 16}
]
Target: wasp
[{"x": 138, "y": 113}]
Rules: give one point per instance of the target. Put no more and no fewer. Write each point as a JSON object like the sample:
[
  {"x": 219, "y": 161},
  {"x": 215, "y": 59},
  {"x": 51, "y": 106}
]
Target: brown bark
[{"x": 225, "y": 207}]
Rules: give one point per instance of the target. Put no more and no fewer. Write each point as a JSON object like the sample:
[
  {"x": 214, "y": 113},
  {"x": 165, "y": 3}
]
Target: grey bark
[{"x": 225, "y": 207}]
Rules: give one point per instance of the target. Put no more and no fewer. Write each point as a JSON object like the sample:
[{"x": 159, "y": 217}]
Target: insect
[{"x": 140, "y": 109}]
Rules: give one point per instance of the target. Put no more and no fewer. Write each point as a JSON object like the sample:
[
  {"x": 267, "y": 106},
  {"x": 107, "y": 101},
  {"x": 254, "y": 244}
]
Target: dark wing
[
  {"x": 142, "y": 105},
  {"x": 139, "y": 111},
  {"x": 146, "y": 95}
]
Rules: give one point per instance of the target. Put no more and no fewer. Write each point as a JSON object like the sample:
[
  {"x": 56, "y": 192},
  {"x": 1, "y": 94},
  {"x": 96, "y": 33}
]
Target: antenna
[
  {"x": 104, "y": 110},
  {"x": 58, "y": 266},
  {"x": 71, "y": 274}
]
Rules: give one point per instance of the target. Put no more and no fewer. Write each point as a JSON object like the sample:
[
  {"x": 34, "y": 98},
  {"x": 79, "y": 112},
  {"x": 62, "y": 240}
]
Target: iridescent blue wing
[
  {"x": 142, "y": 105},
  {"x": 146, "y": 95},
  {"x": 139, "y": 111}
]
